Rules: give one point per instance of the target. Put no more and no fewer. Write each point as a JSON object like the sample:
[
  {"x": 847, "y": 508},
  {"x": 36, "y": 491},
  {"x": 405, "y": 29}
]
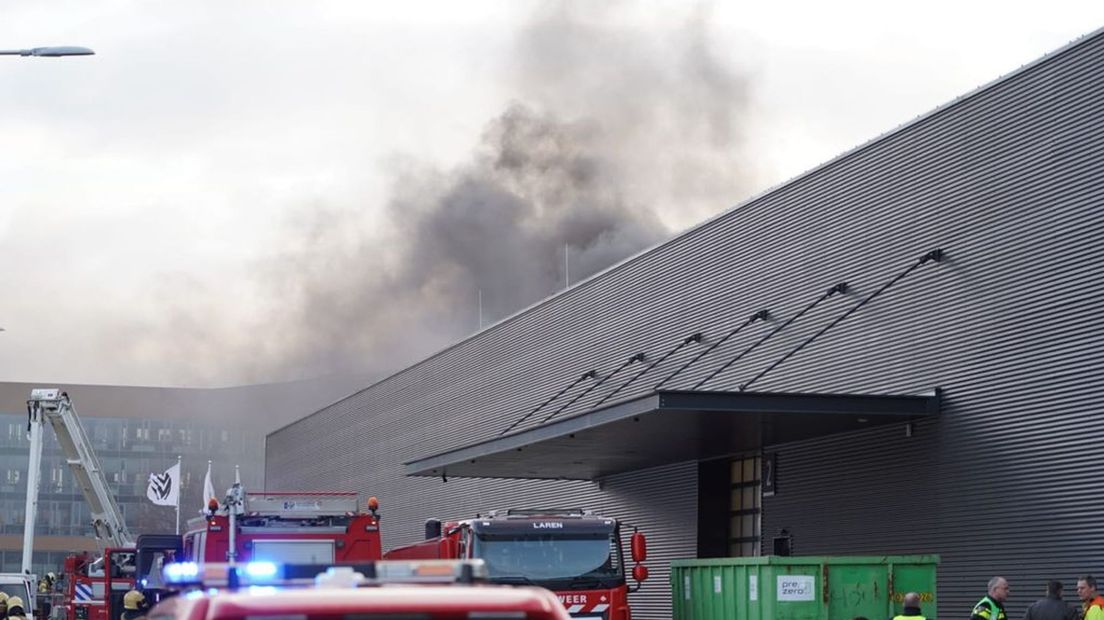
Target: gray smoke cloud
[{"x": 617, "y": 137}]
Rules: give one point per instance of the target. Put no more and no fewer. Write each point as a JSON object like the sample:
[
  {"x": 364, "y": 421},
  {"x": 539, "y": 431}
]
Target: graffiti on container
[
  {"x": 925, "y": 597},
  {"x": 855, "y": 596}
]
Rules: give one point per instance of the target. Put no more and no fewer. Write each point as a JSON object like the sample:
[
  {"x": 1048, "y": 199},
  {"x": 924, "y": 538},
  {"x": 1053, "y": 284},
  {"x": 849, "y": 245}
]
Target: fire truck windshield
[{"x": 564, "y": 560}]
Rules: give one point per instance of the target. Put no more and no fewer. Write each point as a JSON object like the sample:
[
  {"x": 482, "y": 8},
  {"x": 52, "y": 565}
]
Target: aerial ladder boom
[{"x": 54, "y": 406}]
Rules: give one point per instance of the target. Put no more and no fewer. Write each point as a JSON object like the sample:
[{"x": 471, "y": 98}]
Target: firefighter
[
  {"x": 3, "y": 604},
  {"x": 15, "y": 608},
  {"x": 134, "y": 605}
]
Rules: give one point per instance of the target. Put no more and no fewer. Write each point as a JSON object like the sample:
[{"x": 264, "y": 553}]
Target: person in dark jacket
[{"x": 1052, "y": 607}]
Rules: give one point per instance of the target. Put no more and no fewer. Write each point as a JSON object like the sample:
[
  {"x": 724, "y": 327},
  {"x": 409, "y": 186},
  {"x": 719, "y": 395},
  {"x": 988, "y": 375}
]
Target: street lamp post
[{"x": 50, "y": 52}]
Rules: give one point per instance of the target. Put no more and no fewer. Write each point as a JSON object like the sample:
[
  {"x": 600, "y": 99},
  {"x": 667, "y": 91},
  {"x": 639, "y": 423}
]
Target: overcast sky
[{"x": 234, "y": 192}]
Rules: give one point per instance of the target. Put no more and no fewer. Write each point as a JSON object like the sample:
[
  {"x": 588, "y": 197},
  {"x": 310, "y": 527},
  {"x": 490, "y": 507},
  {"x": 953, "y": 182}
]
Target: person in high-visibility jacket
[
  {"x": 911, "y": 609},
  {"x": 991, "y": 606},
  {"x": 1091, "y": 602}
]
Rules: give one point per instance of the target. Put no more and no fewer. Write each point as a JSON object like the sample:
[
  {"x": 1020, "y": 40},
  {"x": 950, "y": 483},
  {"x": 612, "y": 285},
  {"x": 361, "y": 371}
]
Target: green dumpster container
[{"x": 801, "y": 588}]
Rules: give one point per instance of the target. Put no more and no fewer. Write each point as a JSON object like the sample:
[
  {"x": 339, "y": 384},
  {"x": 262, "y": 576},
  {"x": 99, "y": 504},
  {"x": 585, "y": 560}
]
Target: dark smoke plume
[{"x": 616, "y": 138}]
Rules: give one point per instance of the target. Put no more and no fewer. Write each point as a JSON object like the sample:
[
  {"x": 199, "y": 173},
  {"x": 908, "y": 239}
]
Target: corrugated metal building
[{"x": 942, "y": 404}]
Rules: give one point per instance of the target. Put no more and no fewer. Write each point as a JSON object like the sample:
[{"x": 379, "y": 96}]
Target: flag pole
[{"x": 178, "y": 494}]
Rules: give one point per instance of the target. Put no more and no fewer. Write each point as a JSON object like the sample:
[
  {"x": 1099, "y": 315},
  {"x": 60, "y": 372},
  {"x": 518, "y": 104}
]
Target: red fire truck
[
  {"x": 576, "y": 554},
  {"x": 300, "y": 527},
  {"x": 93, "y": 586},
  {"x": 296, "y": 528}
]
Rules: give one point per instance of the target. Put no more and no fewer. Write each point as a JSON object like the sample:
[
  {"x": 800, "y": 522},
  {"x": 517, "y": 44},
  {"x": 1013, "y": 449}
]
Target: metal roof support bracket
[
  {"x": 839, "y": 288},
  {"x": 935, "y": 256},
  {"x": 695, "y": 337},
  {"x": 761, "y": 315}
]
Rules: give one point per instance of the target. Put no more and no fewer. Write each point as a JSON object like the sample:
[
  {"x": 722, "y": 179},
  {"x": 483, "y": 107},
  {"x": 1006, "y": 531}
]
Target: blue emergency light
[
  {"x": 260, "y": 570},
  {"x": 181, "y": 572},
  {"x": 268, "y": 574}
]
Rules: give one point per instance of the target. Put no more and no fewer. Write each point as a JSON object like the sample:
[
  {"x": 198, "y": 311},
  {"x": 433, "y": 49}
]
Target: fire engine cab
[{"x": 576, "y": 554}]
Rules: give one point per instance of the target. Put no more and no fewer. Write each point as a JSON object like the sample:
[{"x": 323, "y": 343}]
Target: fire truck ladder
[{"x": 54, "y": 406}]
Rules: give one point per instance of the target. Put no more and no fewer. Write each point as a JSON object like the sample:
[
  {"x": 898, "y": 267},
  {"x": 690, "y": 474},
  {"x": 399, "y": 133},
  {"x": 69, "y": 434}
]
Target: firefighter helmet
[
  {"x": 3, "y": 597},
  {"x": 134, "y": 600},
  {"x": 14, "y": 602}
]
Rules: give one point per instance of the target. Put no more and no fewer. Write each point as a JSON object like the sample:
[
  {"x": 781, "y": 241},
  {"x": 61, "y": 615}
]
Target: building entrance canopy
[{"x": 666, "y": 427}]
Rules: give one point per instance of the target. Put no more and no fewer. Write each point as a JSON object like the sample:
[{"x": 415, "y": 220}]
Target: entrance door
[{"x": 745, "y": 507}]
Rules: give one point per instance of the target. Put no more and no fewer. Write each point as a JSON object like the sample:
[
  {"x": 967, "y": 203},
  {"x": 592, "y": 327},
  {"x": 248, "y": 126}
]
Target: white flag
[
  {"x": 164, "y": 489},
  {"x": 208, "y": 488}
]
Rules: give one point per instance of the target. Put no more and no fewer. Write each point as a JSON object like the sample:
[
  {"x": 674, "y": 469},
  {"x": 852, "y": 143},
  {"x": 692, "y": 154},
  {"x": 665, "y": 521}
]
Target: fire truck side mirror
[
  {"x": 432, "y": 528},
  {"x": 639, "y": 547},
  {"x": 640, "y": 572}
]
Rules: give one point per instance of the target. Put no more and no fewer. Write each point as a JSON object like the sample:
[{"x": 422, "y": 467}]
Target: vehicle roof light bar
[{"x": 261, "y": 573}]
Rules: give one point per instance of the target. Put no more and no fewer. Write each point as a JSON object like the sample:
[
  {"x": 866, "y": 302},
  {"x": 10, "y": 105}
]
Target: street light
[{"x": 50, "y": 52}]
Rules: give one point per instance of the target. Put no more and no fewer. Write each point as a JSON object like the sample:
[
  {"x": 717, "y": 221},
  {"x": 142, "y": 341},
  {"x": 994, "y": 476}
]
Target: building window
[
  {"x": 164, "y": 434},
  {"x": 745, "y": 507},
  {"x": 14, "y": 475}
]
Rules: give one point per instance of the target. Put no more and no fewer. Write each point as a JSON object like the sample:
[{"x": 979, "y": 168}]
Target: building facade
[
  {"x": 136, "y": 431},
  {"x": 897, "y": 352},
  {"x": 129, "y": 451}
]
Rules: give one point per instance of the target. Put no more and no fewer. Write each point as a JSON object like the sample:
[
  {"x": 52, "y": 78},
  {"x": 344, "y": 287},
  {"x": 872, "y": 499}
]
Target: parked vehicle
[
  {"x": 576, "y": 554},
  {"x": 378, "y": 591}
]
